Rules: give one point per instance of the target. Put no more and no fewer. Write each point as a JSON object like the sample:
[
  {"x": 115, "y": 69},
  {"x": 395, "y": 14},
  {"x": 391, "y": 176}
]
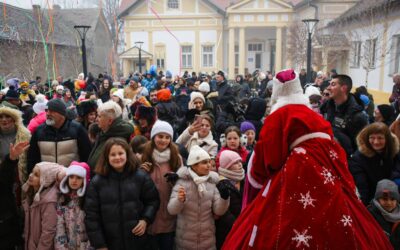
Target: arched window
[{"x": 173, "y": 4}]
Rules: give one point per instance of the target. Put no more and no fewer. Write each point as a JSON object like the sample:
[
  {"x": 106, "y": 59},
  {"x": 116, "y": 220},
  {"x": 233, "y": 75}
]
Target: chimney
[{"x": 56, "y": 7}]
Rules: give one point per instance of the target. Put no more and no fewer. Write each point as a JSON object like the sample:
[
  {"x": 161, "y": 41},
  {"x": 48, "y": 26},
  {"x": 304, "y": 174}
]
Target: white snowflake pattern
[
  {"x": 328, "y": 177},
  {"x": 301, "y": 238},
  {"x": 346, "y": 220},
  {"x": 300, "y": 150},
  {"x": 307, "y": 200},
  {"x": 333, "y": 154}
]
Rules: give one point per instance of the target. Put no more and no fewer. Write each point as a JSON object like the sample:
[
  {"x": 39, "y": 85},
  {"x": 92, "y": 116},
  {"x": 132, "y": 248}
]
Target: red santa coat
[{"x": 308, "y": 198}]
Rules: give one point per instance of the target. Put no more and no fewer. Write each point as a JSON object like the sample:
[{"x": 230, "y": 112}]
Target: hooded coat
[
  {"x": 304, "y": 183},
  {"x": 22, "y": 135},
  {"x": 369, "y": 167},
  {"x": 195, "y": 225}
]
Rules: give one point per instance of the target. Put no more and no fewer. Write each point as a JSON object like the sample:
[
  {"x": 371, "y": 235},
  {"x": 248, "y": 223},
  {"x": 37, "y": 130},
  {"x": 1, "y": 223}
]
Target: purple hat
[{"x": 246, "y": 125}]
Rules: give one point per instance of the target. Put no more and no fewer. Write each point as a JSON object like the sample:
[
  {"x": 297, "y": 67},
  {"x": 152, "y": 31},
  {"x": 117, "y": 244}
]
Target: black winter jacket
[
  {"x": 347, "y": 118},
  {"x": 114, "y": 205},
  {"x": 10, "y": 232},
  {"x": 71, "y": 133}
]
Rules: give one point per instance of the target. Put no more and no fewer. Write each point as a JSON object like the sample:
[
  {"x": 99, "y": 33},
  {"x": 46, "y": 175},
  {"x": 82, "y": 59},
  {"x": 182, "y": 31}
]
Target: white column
[
  {"x": 231, "y": 54},
  {"x": 278, "y": 53},
  {"x": 242, "y": 58}
]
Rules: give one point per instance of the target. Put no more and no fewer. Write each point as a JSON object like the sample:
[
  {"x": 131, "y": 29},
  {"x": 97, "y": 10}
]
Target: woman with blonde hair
[{"x": 376, "y": 158}]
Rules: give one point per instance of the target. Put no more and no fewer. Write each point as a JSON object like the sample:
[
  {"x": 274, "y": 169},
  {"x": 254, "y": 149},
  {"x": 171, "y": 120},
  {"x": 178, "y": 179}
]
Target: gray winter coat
[{"x": 195, "y": 225}]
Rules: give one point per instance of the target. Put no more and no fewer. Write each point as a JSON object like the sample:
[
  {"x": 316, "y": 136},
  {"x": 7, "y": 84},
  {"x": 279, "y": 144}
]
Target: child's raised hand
[
  {"x": 181, "y": 194},
  {"x": 140, "y": 228},
  {"x": 146, "y": 166},
  {"x": 17, "y": 149}
]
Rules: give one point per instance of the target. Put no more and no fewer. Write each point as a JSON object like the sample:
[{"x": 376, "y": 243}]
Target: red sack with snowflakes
[{"x": 308, "y": 197}]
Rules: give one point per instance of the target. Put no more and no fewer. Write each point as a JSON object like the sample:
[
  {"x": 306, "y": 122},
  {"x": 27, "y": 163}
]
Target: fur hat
[
  {"x": 312, "y": 90},
  {"x": 387, "y": 187},
  {"x": 221, "y": 73},
  {"x": 86, "y": 107},
  {"x": 164, "y": 95},
  {"x": 80, "y": 169},
  {"x": 204, "y": 87},
  {"x": 48, "y": 175},
  {"x": 40, "y": 104},
  {"x": 161, "y": 127},
  {"x": 246, "y": 125},
  {"x": 24, "y": 84},
  {"x": 57, "y": 105},
  {"x": 387, "y": 112},
  {"x": 193, "y": 96},
  {"x": 196, "y": 155},
  {"x": 227, "y": 158},
  {"x": 146, "y": 112},
  {"x": 287, "y": 90}
]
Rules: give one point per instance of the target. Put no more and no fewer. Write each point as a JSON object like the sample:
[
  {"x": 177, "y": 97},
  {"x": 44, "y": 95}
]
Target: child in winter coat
[
  {"x": 40, "y": 206},
  {"x": 121, "y": 200},
  {"x": 230, "y": 169},
  {"x": 196, "y": 198},
  {"x": 249, "y": 130},
  {"x": 233, "y": 143},
  {"x": 386, "y": 210},
  {"x": 161, "y": 159},
  {"x": 71, "y": 231}
]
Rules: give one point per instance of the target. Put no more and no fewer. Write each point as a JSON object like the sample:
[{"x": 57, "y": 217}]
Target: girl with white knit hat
[
  {"x": 161, "y": 158},
  {"x": 40, "y": 205},
  {"x": 71, "y": 231},
  {"x": 196, "y": 198}
]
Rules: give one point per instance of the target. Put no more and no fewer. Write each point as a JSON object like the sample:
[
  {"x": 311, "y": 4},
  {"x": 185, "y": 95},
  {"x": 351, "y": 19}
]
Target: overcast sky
[{"x": 27, "y": 4}]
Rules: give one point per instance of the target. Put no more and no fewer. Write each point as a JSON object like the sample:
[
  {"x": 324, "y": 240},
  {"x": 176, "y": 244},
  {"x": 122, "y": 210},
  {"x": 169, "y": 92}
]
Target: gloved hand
[
  {"x": 171, "y": 177},
  {"x": 224, "y": 187}
]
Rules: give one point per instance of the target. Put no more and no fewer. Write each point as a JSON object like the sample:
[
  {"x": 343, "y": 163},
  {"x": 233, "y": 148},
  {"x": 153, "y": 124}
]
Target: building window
[
  {"x": 355, "y": 54},
  {"x": 208, "y": 56},
  {"x": 370, "y": 53},
  {"x": 236, "y": 55},
  {"x": 173, "y": 4},
  {"x": 187, "y": 56},
  {"x": 256, "y": 47},
  {"x": 395, "y": 55},
  {"x": 159, "y": 53}
]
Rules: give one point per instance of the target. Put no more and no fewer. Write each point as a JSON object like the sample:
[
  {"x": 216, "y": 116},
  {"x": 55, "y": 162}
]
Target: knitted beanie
[
  {"x": 57, "y": 105},
  {"x": 60, "y": 88},
  {"x": 387, "y": 187},
  {"x": 24, "y": 84},
  {"x": 12, "y": 94},
  {"x": 227, "y": 158},
  {"x": 48, "y": 175},
  {"x": 119, "y": 93},
  {"x": 164, "y": 95},
  {"x": 204, "y": 87},
  {"x": 161, "y": 127},
  {"x": 196, "y": 155},
  {"x": 194, "y": 96},
  {"x": 365, "y": 100},
  {"x": 246, "y": 125},
  {"x": 80, "y": 169},
  {"x": 40, "y": 104}
]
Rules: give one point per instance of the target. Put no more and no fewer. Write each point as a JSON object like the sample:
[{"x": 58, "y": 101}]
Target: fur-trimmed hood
[
  {"x": 14, "y": 113},
  {"x": 363, "y": 148},
  {"x": 183, "y": 173}
]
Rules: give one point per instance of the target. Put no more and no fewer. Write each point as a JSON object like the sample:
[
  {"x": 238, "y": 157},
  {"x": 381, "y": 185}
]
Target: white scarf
[
  {"x": 200, "y": 181},
  {"x": 393, "y": 217},
  {"x": 161, "y": 157},
  {"x": 234, "y": 175}
]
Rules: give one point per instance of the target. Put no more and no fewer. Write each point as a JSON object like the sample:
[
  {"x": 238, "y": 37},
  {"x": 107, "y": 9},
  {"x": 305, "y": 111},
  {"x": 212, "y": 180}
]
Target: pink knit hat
[
  {"x": 228, "y": 158},
  {"x": 80, "y": 169}
]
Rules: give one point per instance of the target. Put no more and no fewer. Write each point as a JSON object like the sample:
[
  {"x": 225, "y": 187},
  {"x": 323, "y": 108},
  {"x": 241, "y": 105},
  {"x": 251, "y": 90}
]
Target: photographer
[{"x": 231, "y": 115}]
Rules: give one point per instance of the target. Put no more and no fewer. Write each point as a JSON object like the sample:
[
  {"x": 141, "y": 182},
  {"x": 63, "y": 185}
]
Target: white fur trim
[
  {"x": 291, "y": 99},
  {"x": 74, "y": 170},
  {"x": 264, "y": 194},
  {"x": 252, "y": 182},
  {"x": 253, "y": 236},
  {"x": 308, "y": 137},
  {"x": 64, "y": 186}
]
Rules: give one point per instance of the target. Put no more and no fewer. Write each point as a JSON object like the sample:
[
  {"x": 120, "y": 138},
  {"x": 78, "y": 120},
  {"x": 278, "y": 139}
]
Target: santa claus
[{"x": 307, "y": 197}]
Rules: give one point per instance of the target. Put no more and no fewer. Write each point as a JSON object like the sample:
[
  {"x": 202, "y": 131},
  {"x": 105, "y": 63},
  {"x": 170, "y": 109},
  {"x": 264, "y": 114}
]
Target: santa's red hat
[{"x": 287, "y": 90}]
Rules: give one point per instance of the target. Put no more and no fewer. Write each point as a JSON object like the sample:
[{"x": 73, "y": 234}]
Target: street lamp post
[
  {"x": 139, "y": 45},
  {"x": 310, "y": 25},
  {"x": 82, "y": 29},
  {"x": 272, "y": 42}
]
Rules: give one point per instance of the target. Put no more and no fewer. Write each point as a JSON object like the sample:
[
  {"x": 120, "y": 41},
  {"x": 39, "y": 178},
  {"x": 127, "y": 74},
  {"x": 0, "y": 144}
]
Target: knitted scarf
[
  {"x": 234, "y": 175},
  {"x": 161, "y": 157},
  {"x": 391, "y": 217},
  {"x": 200, "y": 181}
]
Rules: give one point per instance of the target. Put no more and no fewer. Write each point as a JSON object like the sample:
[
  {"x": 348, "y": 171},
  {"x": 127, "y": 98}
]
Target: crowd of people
[{"x": 156, "y": 162}]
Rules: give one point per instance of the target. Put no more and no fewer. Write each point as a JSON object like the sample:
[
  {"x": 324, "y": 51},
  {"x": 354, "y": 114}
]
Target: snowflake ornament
[
  {"x": 301, "y": 238},
  {"x": 300, "y": 150},
  {"x": 346, "y": 220},
  {"x": 306, "y": 200},
  {"x": 333, "y": 154},
  {"x": 328, "y": 177}
]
